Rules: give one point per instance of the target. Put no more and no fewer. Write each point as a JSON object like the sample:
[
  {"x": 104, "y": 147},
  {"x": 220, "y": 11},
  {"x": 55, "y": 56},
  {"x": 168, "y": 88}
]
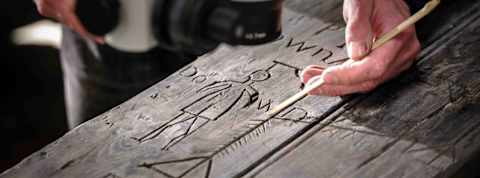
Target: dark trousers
[{"x": 98, "y": 77}]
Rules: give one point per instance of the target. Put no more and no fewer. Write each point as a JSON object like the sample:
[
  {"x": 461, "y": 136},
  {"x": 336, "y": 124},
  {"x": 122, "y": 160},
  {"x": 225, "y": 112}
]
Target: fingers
[
  {"x": 402, "y": 7},
  {"x": 72, "y": 21},
  {"x": 358, "y": 33},
  {"x": 398, "y": 64},
  {"x": 382, "y": 64},
  {"x": 45, "y": 8},
  {"x": 340, "y": 90},
  {"x": 364, "y": 87},
  {"x": 310, "y": 72},
  {"x": 64, "y": 12},
  {"x": 372, "y": 67}
]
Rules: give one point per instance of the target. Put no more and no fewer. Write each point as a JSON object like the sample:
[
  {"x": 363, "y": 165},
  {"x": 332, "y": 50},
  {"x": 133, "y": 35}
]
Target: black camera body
[{"x": 188, "y": 26}]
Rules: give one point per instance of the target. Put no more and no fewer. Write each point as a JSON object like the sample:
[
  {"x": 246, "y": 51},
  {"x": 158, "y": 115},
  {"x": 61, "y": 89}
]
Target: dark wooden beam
[{"x": 208, "y": 119}]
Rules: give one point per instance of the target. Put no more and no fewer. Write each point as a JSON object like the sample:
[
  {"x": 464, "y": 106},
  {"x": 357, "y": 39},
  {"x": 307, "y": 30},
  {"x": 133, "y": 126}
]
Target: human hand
[
  {"x": 364, "y": 71},
  {"x": 64, "y": 12}
]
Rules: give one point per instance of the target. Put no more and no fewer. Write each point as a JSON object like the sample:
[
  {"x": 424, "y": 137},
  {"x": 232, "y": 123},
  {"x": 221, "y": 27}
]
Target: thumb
[{"x": 358, "y": 33}]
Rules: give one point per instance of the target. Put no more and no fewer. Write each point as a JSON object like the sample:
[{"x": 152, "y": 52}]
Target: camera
[{"x": 183, "y": 26}]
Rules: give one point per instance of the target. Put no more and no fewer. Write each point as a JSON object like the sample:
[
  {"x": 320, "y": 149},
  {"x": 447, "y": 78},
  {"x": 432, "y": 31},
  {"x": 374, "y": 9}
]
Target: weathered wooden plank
[
  {"x": 425, "y": 124},
  {"x": 207, "y": 120}
]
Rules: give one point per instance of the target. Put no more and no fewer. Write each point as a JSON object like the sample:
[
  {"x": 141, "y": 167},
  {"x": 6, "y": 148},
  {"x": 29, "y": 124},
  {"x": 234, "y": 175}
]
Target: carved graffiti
[
  {"x": 301, "y": 46},
  {"x": 189, "y": 71},
  {"x": 214, "y": 102},
  {"x": 192, "y": 162},
  {"x": 324, "y": 54},
  {"x": 216, "y": 99},
  {"x": 180, "y": 127},
  {"x": 193, "y": 73},
  {"x": 111, "y": 175},
  {"x": 294, "y": 114}
]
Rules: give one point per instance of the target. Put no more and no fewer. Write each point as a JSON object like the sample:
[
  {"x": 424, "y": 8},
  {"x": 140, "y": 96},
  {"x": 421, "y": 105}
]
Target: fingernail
[
  {"x": 357, "y": 50},
  {"x": 301, "y": 75},
  {"x": 311, "y": 69},
  {"x": 319, "y": 67}
]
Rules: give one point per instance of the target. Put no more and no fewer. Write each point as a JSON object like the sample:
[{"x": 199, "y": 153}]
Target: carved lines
[
  {"x": 199, "y": 160},
  {"x": 286, "y": 65},
  {"x": 111, "y": 175},
  {"x": 189, "y": 71},
  {"x": 192, "y": 72},
  {"x": 266, "y": 105},
  {"x": 190, "y": 122},
  {"x": 300, "y": 45},
  {"x": 324, "y": 53},
  {"x": 217, "y": 92},
  {"x": 302, "y": 112}
]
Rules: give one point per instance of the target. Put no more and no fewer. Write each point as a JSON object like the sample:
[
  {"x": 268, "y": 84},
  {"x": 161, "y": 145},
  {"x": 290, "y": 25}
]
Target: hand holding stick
[{"x": 429, "y": 7}]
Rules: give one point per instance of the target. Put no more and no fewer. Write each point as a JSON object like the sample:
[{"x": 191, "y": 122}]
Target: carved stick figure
[{"x": 220, "y": 97}]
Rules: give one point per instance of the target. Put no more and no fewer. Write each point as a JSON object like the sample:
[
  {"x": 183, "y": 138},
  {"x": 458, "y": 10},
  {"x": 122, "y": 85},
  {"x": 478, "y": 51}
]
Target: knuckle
[
  {"x": 329, "y": 76},
  {"x": 42, "y": 10},
  {"x": 379, "y": 69},
  {"x": 357, "y": 30},
  {"x": 354, "y": 24},
  {"x": 416, "y": 46}
]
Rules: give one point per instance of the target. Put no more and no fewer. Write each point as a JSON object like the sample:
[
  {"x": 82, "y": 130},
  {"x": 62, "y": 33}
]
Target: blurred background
[{"x": 34, "y": 113}]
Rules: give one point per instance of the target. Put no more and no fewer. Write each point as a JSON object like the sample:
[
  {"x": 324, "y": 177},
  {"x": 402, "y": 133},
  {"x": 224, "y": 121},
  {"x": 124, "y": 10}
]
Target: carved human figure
[{"x": 219, "y": 97}]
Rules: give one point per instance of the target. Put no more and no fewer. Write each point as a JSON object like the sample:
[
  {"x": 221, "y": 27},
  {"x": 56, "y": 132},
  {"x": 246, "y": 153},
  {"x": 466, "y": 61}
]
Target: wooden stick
[{"x": 429, "y": 7}]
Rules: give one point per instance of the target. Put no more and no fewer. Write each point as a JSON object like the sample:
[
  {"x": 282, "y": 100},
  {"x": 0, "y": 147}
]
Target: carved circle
[
  {"x": 189, "y": 71},
  {"x": 259, "y": 75},
  {"x": 200, "y": 79}
]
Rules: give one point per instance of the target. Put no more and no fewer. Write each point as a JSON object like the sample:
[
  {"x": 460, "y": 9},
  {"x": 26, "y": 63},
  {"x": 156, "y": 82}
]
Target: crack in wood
[
  {"x": 293, "y": 142},
  {"x": 381, "y": 151}
]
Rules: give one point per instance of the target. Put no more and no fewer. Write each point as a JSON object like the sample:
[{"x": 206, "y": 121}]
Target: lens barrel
[
  {"x": 193, "y": 27},
  {"x": 98, "y": 16}
]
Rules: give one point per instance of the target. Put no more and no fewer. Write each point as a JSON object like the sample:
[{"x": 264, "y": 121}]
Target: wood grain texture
[
  {"x": 424, "y": 124},
  {"x": 208, "y": 119}
]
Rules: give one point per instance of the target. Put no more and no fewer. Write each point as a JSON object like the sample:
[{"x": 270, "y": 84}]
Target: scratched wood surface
[
  {"x": 424, "y": 124},
  {"x": 207, "y": 119}
]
